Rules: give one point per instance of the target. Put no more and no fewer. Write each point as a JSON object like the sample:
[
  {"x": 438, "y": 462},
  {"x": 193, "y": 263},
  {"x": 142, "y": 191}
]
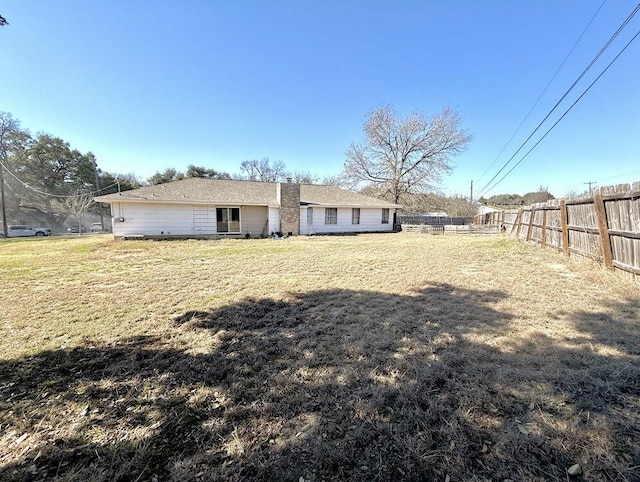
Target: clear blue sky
[{"x": 149, "y": 85}]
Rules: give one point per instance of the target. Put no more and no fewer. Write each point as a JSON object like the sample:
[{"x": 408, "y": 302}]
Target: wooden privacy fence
[
  {"x": 605, "y": 227},
  {"x": 422, "y": 228},
  {"x": 451, "y": 229},
  {"x": 419, "y": 219}
]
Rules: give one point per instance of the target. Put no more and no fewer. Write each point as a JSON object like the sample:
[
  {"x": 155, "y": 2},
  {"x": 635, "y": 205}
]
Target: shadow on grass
[{"x": 333, "y": 385}]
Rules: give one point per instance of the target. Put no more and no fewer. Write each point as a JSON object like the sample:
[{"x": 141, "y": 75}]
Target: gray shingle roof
[
  {"x": 199, "y": 190},
  {"x": 216, "y": 191}
]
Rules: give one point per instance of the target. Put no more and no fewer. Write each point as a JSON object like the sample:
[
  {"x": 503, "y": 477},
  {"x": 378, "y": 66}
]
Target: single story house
[{"x": 198, "y": 207}]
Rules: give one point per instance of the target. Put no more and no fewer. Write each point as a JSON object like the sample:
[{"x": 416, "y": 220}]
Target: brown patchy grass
[{"x": 378, "y": 357}]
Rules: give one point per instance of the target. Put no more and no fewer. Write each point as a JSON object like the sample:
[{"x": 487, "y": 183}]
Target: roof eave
[
  {"x": 182, "y": 201},
  {"x": 338, "y": 205}
]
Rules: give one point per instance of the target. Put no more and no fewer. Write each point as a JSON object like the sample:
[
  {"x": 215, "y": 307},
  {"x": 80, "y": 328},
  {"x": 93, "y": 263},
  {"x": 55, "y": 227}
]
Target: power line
[
  {"x": 485, "y": 189},
  {"x": 619, "y": 175},
  {"x": 565, "y": 113},
  {"x": 543, "y": 91},
  {"x": 58, "y": 196}
]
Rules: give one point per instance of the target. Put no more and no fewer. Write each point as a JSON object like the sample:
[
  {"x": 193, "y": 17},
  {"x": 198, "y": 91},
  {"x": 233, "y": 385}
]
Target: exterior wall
[
  {"x": 253, "y": 221},
  {"x": 290, "y": 208},
  {"x": 165, "y": 219},
  {"x": 370, "y": 221},
  {"x": 305, "y": 228},
  {"x": 159, "y": 219},
  {"x": 274, "y": 220},
  {"x": 204, "y": 220},
  {"x": 152, "y": 219}
]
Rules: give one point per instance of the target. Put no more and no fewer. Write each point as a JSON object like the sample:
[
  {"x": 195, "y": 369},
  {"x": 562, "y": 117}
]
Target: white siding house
[
  {"x": 201, "y": 208},
  {"x": 364, "y": 220}
]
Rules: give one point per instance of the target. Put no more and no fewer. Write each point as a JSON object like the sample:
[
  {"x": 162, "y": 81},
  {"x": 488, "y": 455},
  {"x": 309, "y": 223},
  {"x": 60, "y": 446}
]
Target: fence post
[
  {"x": 565, "y": 229},
  {"x": 530, "y": 228},
  {"x": 603, "y": 229},
  {"x": 518, "y": 223},
  {"x": 543, "y": 240}
]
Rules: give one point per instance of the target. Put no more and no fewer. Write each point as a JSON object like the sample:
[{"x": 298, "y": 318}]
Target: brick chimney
[{"x": 289, "y": 197}]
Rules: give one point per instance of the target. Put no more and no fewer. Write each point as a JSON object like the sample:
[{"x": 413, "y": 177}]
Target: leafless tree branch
[{"x": 405, "y": 156}]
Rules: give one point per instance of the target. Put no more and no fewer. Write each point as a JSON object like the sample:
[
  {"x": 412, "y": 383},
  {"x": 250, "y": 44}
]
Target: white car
[{"x": 20, "y": 230}]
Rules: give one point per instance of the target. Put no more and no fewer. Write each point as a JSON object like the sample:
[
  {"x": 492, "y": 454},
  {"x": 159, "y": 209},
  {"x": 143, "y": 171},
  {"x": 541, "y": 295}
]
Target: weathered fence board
[{"x": 605, "y": 227}]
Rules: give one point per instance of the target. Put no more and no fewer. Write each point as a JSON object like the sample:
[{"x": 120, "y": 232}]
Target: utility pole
[
  {"x": 471, "y": 195},
  {"x": 6, "y": 123},
  {"x": 5, "y": 230},
  {"x": 95, "y": 169},
  {"x": 590, "y": 190}
]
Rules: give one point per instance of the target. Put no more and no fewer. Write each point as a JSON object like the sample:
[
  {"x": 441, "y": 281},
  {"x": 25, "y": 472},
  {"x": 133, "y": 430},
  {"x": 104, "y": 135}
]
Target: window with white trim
[
  {"x": 330, "y": 215},
  {"x": 385, "y": 216},
  {"x": 309, "y": 216},
  {"x": 355, "y": 216},
  {"x": 228, "y": 220}
]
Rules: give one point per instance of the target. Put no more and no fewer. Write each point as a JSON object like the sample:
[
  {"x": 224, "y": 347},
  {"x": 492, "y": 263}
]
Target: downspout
[{"x": 279, "y": 201}]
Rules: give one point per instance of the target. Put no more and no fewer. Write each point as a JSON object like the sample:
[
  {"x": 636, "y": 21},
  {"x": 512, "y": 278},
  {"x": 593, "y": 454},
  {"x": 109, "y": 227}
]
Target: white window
[
  {"x": 355, "y": 216},
  {"x": 228, "y": 220},
  {"x": 330, "y": 215},
  {"x": 385, "y": 216},
  {"x": 309, "y": 216}
]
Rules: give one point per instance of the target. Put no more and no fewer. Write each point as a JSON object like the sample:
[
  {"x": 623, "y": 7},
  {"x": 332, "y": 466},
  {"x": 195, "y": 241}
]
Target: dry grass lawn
[{"x": 376, "y": 357}]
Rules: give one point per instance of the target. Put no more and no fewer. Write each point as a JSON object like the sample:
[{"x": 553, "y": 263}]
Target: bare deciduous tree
[
  {"x": 303, "y": 177},
  {"x": 405, "y": 156},
  {"x": 335, "y": 180},
  {"x": 78, "y": 204},
  {"x": 264, "y": 170}
]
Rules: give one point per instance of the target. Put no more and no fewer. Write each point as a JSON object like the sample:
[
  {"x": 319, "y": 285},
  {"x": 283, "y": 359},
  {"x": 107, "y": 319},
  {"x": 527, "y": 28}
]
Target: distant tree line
[
  {"x": 539, "y": 196},
  {"x": 44, "y": 177},
  {"x": 263, "y": 170},
  {"x": 170, "y": 174}
]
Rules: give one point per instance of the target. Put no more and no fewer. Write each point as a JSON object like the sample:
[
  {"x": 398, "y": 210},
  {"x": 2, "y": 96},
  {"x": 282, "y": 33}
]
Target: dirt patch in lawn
[{"x": 376, "y": 360}]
